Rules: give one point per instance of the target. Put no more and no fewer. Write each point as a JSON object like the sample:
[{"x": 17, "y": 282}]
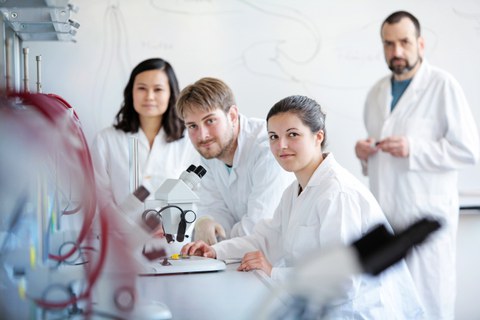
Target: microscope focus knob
[{"x": 189, "y": 216}]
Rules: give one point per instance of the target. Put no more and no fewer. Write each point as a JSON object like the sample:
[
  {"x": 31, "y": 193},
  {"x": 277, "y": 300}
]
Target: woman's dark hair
[
  {"x": 127, "y": 118},
  {"x": 307, "y": 110}
]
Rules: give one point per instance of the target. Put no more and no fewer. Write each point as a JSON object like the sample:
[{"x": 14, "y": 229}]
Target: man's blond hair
[{"x": 207, "y": 94}]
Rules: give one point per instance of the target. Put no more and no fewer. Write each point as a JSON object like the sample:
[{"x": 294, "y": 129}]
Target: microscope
[
  {"x": 173, "y": 206},
  {"x": 172, "y": 212}
]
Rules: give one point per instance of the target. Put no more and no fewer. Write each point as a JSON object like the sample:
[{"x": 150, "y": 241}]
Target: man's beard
[
  {"x": 401, "y": 69},
  {"x": 225, "y": 147}
]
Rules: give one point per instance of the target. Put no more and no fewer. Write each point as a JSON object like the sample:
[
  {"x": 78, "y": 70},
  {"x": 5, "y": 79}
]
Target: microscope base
[{"x": 188, "y": 264}]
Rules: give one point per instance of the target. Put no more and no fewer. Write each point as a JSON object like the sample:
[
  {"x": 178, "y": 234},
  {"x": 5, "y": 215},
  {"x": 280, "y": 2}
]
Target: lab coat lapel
[
  {"x": 385, "y": 99},
  {"x": 407, "y": 101},
  {"x": 238, "y": 153},
  {"x": 409, "y": 98}
]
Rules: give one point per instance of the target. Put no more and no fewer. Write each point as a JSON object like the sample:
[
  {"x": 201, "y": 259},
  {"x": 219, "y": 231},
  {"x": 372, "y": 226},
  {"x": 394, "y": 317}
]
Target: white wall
[{"x": 265, "y": 50}]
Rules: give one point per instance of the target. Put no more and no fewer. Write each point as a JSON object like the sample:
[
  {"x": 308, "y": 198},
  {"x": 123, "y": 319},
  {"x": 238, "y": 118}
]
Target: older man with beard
[
  {"x": 243, "y": 183},
  {"x": 420, "y": 132}
]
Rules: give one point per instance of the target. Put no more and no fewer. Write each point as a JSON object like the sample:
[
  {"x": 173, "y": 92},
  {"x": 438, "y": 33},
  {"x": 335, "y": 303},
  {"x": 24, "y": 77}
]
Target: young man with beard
[
  {"x": 420, "y": 132},
  {"x": 243, "y": 183}
]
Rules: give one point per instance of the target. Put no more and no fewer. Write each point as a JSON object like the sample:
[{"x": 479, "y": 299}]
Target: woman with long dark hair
[{"x": 147, "y": 114}]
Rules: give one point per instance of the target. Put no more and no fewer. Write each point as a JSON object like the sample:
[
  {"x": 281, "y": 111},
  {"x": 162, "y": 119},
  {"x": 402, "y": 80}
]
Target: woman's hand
[
  {"x": 198, "y": 248},
  {"x": 255, "y": 260}
]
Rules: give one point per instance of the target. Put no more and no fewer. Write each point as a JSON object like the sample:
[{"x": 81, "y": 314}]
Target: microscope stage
[{"x": 189, "y": 264}]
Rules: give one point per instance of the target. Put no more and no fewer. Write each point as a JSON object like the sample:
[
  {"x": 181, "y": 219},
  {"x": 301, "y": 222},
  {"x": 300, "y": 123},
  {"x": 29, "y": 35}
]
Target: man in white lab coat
[
  {"x": 243, "y": 183},
  {"x": 420, "y": 132}
]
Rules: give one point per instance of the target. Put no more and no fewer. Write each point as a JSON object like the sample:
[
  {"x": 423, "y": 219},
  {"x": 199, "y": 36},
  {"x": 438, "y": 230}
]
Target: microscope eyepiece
[
  {"x": 191, "y": 168},
  {"x": 200, "y": 171}
]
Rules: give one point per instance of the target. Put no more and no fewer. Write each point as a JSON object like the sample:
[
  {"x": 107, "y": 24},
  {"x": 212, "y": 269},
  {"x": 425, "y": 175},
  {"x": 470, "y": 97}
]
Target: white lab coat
[
  {"x": 334, "y": 209},
  {"x": 434, "y": 115},
  {"x": 110, "y": 154},
  {"x": 251, "y": 191}
]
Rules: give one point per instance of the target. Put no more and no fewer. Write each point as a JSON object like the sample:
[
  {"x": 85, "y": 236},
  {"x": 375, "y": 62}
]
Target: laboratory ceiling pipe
[
  {"x": 39, "y": 74},
  {"x": 8, "y": 46},
  {"x": 25, "y": 70}
]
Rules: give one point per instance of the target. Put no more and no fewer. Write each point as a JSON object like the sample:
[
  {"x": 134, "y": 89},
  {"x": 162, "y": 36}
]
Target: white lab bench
[{"x": 227, "y": 294}]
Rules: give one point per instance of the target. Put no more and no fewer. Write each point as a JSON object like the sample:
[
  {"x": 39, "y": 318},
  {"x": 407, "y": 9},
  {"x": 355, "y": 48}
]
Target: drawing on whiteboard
[
  {"x": 114, "y": 60},
  {"x": 263, "y": 53},
  {"x": 474, "y": 16}
]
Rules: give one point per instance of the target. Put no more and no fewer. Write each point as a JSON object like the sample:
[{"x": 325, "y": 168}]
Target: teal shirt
[{"x": 398, "y": 88}]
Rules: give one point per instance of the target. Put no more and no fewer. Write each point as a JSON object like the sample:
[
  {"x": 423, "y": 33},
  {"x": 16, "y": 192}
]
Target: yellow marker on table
[{"x": 178, "y": 256}]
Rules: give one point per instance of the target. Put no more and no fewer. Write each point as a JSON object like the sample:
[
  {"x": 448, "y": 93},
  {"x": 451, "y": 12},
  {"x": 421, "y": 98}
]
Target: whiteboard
[{"x": 265, "y": 50}]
